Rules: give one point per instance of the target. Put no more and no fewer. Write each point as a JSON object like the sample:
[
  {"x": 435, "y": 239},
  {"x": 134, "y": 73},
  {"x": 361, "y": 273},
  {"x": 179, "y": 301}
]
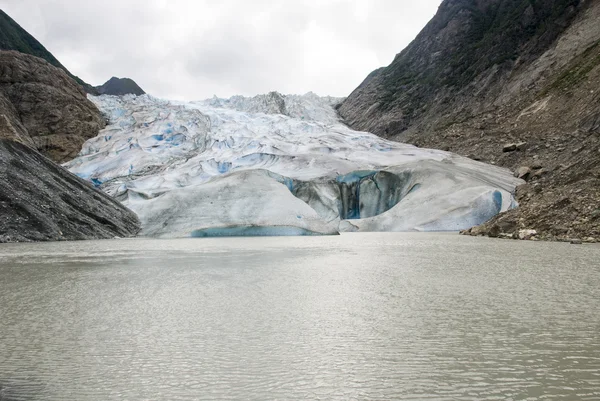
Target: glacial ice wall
[{"x": 278, "y": 165}]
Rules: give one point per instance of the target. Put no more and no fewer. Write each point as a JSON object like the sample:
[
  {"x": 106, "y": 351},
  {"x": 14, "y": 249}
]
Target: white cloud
[{"x": 192, "y": 49}]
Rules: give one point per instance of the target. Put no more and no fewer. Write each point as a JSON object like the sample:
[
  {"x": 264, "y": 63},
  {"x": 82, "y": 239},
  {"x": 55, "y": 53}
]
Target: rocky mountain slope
[
  {"x": 119, "y": 87},
  {"x": 48, "y": 109},
  {"x": 42, "y": 108},
  {"x": 41, "y": 201},
  {"x": 514, "y": 83}
]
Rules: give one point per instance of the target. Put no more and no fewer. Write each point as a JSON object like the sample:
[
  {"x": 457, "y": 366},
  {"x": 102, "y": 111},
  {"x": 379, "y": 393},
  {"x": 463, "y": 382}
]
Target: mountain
[
  {"x": 510, "y": 82},
  {"x": 278, "y": 165},
  {"x": 119, "y": 87},
  {"x": 13, "y": 37},
  {"x": 42, "y": 108},
  {"x": 49, "y": 110}
]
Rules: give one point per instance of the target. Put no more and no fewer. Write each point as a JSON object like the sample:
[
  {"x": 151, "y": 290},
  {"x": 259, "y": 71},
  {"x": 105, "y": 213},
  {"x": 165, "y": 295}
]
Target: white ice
[{"x": 278, "y": 165}]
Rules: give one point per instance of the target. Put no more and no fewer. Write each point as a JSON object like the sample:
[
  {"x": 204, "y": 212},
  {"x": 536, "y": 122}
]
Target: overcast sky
[{"x": 194, "y": 49}]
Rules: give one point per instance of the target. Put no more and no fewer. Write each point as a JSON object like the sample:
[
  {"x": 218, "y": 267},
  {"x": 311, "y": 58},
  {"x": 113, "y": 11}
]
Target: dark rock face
[
  {"x": 13, "y": 37},
  {"x": 469, "y": 49},
  {"x": 119, "y": 87},
  {"x": 42, "y": 201},
  {"x": 10, "y": 125},
  {"x": 510, "y": 82},
  {"x": 44, "y": 104}
]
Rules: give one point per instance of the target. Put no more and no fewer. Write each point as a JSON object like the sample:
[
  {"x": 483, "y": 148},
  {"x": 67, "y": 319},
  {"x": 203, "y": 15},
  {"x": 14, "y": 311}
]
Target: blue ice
[
  {"x": 252, "y": 231},
  {"x": 176, "y": 140},
  {"x": 223, "y": 167},
  {"x": 355, "y": 176}
]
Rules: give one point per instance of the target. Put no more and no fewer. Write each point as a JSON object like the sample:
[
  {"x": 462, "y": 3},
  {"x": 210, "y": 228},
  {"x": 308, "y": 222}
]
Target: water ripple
[{"x": 355, "y": 317}]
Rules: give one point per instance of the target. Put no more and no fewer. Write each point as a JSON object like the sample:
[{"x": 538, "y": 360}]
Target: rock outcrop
[
  {"x": 42, "y": 201},
  {"x": 513, "y": 83},
  {"x": 120, "y": 87},
  {"x": 48, "y": 109}
]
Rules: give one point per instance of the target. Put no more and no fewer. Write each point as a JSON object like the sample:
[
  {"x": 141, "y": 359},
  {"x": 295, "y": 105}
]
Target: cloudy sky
[{"x": 193, "y": 49}]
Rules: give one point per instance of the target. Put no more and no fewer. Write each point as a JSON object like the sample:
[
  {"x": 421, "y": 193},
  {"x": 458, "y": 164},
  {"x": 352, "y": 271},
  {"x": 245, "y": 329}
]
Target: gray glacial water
[{"x": 354, "y": 317}]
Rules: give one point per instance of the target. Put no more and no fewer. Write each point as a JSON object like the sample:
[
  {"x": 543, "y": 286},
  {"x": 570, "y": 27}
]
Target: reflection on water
[{"x": 360, "y": 316}]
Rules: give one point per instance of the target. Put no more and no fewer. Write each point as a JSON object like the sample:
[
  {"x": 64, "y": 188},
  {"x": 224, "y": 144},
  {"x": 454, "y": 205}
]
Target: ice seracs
[{"x": 278, "y": 165}]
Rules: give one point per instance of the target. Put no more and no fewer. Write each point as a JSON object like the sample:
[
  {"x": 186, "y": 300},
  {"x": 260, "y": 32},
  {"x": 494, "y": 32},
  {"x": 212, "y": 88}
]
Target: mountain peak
[{"x": 119, "y": 87}]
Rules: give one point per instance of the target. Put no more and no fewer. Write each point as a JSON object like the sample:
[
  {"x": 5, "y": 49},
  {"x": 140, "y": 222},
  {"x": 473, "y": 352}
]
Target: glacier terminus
[{"x": 278, "y": 165}]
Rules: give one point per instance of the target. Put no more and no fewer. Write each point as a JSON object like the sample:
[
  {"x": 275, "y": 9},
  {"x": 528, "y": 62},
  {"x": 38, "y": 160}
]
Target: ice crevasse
[{"x": 278, "y": 165}]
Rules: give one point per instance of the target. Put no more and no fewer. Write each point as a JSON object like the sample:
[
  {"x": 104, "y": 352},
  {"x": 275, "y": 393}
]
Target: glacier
[{"x": 278, "y": 165}]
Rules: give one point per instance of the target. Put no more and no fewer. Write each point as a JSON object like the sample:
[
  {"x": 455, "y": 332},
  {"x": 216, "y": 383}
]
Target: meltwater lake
[{"x": 351, "y": 317}]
